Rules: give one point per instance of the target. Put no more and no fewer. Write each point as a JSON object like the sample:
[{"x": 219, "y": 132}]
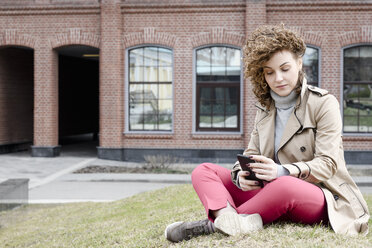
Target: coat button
[
  {"x": 336, "y": 197},
  {"x": 303, "y": 149}
]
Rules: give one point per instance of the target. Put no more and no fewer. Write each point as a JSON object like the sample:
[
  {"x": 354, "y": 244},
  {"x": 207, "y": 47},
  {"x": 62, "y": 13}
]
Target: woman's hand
[
  {"x": 245, "y": 184},
  {"x": 264, "y": 168}
]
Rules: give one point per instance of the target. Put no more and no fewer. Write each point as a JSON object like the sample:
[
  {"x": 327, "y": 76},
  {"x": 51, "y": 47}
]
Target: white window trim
[
  {"x": 126, "y": 92},
  {"x": 194, "y": 131}
]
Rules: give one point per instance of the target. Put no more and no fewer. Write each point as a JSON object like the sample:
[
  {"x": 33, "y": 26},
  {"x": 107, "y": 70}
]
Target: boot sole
[{"x": 234, "y": 224}]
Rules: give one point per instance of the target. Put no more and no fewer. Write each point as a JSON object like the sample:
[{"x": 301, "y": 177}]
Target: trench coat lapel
[
  {"x": 266, "y": 129},
  {"x": 296, "y": 119},
  {"x": 292, "y": 127}
]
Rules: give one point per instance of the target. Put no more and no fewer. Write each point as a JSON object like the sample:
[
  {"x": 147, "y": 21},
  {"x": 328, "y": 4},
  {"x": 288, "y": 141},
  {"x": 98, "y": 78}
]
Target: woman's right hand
[{"x": 245, "y": 184}]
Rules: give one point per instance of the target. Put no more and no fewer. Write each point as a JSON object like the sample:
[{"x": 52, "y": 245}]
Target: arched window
[
  {"x": 311, "y": 65},
  {"x": 150, "y": 89},
  {"x": 218, "y": 89},
  {"x": 357, "y": 111}
]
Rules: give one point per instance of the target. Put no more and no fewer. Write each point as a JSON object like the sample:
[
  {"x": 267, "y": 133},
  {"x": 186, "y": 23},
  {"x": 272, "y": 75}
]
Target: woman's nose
[{"x": 278, "y": 77}]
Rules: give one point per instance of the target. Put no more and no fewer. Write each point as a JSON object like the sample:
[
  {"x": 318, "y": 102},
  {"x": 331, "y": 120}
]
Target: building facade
[{"x": 165, "y": 77}]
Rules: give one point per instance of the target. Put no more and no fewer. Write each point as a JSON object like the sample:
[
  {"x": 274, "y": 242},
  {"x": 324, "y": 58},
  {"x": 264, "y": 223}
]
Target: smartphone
[{"x": 244, "y": 160}]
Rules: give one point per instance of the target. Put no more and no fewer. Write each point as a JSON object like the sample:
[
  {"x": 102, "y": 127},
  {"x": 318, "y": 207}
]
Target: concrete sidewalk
[{"x": 52, "y": 179}]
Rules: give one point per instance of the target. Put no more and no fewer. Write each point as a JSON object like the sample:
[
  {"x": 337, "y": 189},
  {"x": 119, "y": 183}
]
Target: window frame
[
  {"x": 319, "y": 62},
  {"x": 348, "y": 134},
  {"x": 127, "y": 92},
  {"x": 195, "y": 100}
]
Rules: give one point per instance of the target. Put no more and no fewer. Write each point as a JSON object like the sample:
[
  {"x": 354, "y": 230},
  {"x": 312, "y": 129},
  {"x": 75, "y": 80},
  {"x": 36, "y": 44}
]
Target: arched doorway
[
  {"x": 16, "y": 98},
  {"x": 78, "y": 77}
]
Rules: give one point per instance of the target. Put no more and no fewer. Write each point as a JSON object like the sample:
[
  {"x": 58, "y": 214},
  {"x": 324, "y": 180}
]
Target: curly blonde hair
[{"x": 260, "y": 47}]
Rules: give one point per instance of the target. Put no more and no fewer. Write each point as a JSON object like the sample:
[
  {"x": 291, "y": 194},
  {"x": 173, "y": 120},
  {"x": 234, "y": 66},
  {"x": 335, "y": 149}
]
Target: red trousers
[{"x": 285, "y": 198}]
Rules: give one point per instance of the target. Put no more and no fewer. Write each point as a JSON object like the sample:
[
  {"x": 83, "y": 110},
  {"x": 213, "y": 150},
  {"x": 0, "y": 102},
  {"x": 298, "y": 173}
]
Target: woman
[{"x": 297, "y": 147}]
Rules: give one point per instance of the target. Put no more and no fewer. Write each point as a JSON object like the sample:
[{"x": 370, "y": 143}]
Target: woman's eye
[
  {"x": 269, "y": 72},
  {"x": 285, "y": 69}
]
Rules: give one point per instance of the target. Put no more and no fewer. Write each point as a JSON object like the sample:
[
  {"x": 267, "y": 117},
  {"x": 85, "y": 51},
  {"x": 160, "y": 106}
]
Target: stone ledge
[{"x": 13, "y": 193}]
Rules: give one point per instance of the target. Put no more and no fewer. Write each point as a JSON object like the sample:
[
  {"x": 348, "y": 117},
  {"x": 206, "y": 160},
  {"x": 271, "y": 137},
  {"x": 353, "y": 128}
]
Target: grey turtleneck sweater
[{"x": 284, "y": 107}]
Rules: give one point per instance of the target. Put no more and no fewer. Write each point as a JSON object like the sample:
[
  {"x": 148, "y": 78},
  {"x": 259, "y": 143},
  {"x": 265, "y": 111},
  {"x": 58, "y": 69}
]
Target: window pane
[
  {"x": 136, "y": 57},
  {"x": 350, "y": 124},
  {"x": 233, "y": 70},
  {"x": 233, "y": 94},
  {"x": 150, "y": 74},
  {"x": 351, "y": 69},
  {"x": 205, "y": 107},
  {"x": 203, "y": 57},
  {"x": 218, "y": 108},
  {"x": 136, "y": 122},
  {"x": 365, "y": 124},
  {"x": 231, "y": 121},
  {"x": 231, "y": 108},
  {"x": 136, "y": 108},
  {"x": 136, "y": 93},
  {"x": 205, "y": 121},
  {"x": 150, "y": 91},
  {"x": 233, "y": 57},
  {"x": 165, "y": 74},
  {"x": 218, "y": 56},
  {"x": 136, "y": 74},
  {"x": 150, "y": 107},
  {"x": 366, "y": 63},
  {"x": 165, "y": 122},
  {"x": 218, "y": 70},
  {"x": 352, "y": 52},
  {"x": 202, "y": 70},
  {"x": 165, "y": 106},
  {"x": 150, "y": 122},
  {"x": 358, "y": 107},
  {"x": 218, "y": 121},
  {"x": 165, "y": 57},
  {"x": 151, "y": 56},
  {"x": 165, "y": 91},
  {"x": 365, "y": 51}
]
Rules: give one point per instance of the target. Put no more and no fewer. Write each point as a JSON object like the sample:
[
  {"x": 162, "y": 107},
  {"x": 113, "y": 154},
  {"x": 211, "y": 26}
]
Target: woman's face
[{"x": 281, "y": 72}]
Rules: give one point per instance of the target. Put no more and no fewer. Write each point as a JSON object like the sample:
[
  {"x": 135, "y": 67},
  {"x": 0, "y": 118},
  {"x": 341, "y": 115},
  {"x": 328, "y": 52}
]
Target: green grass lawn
[{"x": 139, "y": 221}]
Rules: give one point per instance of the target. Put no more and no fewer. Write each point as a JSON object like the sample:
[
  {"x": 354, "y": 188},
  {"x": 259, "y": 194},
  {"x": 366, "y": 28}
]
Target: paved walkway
[{"x": 52, "y": 180}]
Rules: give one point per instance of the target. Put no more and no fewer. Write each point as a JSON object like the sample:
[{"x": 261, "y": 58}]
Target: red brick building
[{"x": 164, "y": 77}]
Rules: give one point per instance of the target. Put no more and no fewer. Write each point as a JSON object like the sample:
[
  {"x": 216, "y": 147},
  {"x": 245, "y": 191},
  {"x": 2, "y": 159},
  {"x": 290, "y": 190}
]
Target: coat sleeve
[
  {"x": 328, "y": 144},
  {"x": 253, "y": 149}
]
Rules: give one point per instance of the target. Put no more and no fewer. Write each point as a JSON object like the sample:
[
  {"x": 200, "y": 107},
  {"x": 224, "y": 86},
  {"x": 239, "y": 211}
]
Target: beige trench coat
[{"x": 311, "y": 149}]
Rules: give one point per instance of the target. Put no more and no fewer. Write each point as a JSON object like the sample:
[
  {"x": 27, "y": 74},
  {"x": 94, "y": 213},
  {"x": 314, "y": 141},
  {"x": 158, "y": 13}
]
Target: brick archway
[
  {"x": 217, "y": 36},
  {"x": 75, "y": 36},
  {"x": 363, "y": 35},
  {"x": 309, "y": 37},
  {"x": 11, "y": 37},
  {"x": 149, "y": 36}
]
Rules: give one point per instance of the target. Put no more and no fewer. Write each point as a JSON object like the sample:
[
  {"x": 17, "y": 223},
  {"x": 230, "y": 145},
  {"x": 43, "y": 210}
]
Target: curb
[{"x": 361, "y": 181}]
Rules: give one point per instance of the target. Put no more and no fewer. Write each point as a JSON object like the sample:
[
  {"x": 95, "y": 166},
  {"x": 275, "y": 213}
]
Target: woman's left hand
[{"x": 265, "y": 168}]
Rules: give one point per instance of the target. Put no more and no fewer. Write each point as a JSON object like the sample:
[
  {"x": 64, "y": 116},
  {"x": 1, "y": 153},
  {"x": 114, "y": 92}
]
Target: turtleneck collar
[{"x": 284, "y": 102}]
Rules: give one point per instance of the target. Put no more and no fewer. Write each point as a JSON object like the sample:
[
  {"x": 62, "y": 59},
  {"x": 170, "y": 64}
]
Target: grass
[{"x": 139, "y": 221}]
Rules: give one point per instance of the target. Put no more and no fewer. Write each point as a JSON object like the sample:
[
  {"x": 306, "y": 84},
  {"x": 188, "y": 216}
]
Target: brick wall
[{"x": 114, "y": 26}]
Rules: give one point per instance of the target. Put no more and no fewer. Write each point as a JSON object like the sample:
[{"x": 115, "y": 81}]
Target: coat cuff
[
  {"x": 299, "y": 169},
  {"x": 234, "y": 174}
]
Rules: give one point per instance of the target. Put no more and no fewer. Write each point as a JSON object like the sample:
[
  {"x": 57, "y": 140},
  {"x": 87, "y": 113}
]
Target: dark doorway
[
  {"x": 78, "y": 76},
  {"x": 16, "y": 98}
]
